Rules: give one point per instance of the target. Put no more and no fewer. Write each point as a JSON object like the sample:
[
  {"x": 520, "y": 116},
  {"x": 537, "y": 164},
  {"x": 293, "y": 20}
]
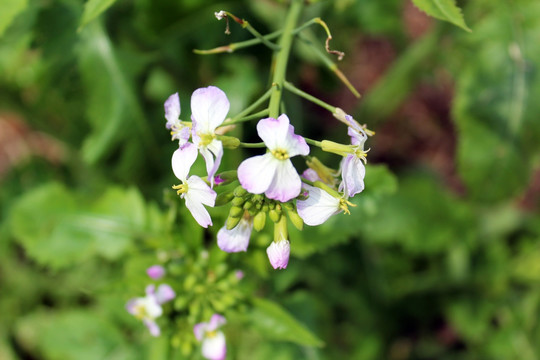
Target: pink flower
[
  {"x": 193, "y": 189},
  {"x": 209, "y": 108},
  {"x": 149, "y": 308},
  {"x": 273, "y": 173},
  {"x": 155, "y": 272},
  {"x": 214, "y": 346},
  {"x": 278, "y": 253}
]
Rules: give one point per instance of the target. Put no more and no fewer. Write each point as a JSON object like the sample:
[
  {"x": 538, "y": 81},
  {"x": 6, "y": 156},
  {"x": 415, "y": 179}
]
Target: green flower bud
[
  {"x": 288, "y": 206},
  {"x": 253, "y": 211},
  {"x": 248, "y": 204},
  {"x": 258, "y": 206},
  {"x": 296, "y": 220},
  {"x": 224, "y": 198},
  {"x": 259, "y": 221},
  {"x": 257, "y": 197},
  {"x": 272, "y": 205},
  {"x": 274, "y": 215},
  {"x": 265, "y": 208},
  {"x": 240, "y": 191},
  {"x": 238, "y": 201},
  {"x": 229, "y": 142},
  {"x": 236, "y": 212},
  {"x": 232, "y": 222}
]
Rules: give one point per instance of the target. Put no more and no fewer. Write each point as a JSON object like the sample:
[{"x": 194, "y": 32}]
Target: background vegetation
[{"x": 440, "y": 260}]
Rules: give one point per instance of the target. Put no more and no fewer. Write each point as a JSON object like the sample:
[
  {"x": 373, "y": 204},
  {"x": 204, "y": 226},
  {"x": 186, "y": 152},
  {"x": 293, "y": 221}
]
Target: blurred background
[{"x": 439, "y": 260}]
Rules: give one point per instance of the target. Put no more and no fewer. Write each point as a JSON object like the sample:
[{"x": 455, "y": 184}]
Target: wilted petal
[
  {"x": 172, "y": 109},
  {"x": 156, "y": 272},
  {"x": 256, "y": 173},
  {"x": 152, "y": 327},
  {"x": 214, "y": 347},
  {"x": 164, "y": 294},
  {"x": 353, "y": 172},
  {"x": 286, "y": 183},
  {"x": 182, "y": 160},
  {"x": 278, "y": 254},
  {"x": 318, "y": 207},
  {"x": 209, "y": 107},
  {"x": 237, "y": 239}
]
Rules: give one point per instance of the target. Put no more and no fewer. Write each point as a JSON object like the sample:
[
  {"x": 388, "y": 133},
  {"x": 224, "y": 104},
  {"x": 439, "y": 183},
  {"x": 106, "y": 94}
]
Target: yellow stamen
[
  {"x": 180, "y": 189},
  {"x": 206, "y": 139},
  {"x": 280, "y": 154},
  {"x": 344, "y": 205}
]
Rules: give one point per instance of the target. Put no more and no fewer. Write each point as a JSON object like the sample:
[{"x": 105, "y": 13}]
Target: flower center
[
  {"x": 344, "y": 205},
  {"x": 280, "y": 154},
  {"x": 180, "y": 189},
  {"x": 360, "y": 153},
  {"x": 206, "y": 139},
  {"x": 140, "y": 311},
  {"x": 211, "y": 334}
]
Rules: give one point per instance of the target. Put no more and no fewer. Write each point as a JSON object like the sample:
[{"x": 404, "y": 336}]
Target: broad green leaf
[
  {"x": 9, "y": 9},
  {"x": 273, "y": 322},
  {"x": 446, "y": 10},
  {"x": 94, "y": 8}
]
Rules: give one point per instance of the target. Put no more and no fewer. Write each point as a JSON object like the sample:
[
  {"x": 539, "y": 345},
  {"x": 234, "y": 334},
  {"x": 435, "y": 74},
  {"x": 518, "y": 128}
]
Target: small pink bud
[
  {"x": 239, "y": 274},
  {"x": 278, "y": 254},
  {"x": 155, "y": 272}
]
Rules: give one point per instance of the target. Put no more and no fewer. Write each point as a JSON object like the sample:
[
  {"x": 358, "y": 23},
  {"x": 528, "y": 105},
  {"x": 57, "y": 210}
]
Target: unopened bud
[
  {"x": 224, "y": 198},
  {"x": 265, "y": 208},
  {"x": 274, "y": 215},
  {"x": 240, "y": 191},
  {"x": 232, "y": 222},
  {"x": 236, "y": 212},
  {"x": 248, "y": 204},
  {"x": 296, "y": 220},
  {"x": 288, "y": 206},
  {"x": 259, "y": 221},
  {"x": 253, "y": 211},
  {"x": 238, "y": 201},
  {"x": 229, "y": 142}
]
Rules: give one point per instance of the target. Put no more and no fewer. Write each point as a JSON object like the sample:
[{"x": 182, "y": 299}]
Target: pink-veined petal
[
  {"x": 182, "y": 160},
  {"x": 215, "y": 347},
  {"x": 209, "y": 107},
  {"x": 237, "y": 239},
  {"x": 199, "y": 191},
  {"x": 286, "y": 183},
  {"x": 318, "y": 207},
  {"x": 172, "y": 109},
  {"x": 256, "y": 173},
  {"x": 273, "y": 131},
  {"x": 352, "y": 172}
]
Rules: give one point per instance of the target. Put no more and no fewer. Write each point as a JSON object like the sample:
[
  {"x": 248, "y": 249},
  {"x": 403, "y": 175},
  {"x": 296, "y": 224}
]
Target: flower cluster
[{"x": 268, "y": 184}]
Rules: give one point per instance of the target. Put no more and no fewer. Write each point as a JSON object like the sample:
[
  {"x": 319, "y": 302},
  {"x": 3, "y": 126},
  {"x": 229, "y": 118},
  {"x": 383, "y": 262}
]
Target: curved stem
[
  {"x": 251, "y": 107},
  {"x": 257, "y": 115},
  {"x": 309, "y": 97}
]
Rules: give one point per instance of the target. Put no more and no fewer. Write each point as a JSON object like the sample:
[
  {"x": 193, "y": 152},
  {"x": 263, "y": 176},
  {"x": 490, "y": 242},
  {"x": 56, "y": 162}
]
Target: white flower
[
  {"x": 149, "y": 308},
  {"x": 193, "y": 189},
  {"x": 172, "y": 113},
  {"x": 273, "y": 173},
  {"x": 318, "y": 207},
  {"x": 214, "y": 346},
  {"x": 278, "y": 253},
  {"x": 220, "y": 15},
  {"x": 236, "y": 239},
  {"x": 209, "y": 108}
]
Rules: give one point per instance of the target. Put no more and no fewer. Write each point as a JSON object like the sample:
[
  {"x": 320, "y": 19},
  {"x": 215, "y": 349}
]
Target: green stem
[
  {"x": 309, "y": 97},
  {"x": 258, "y": 115},
  {"x": 282, "y": 56},
  {"x": 313, "y": 142},
  {"x": 251, "y": 107},
  {"x": 252, "y": 145},
  {"x": 258, "y": 35}
]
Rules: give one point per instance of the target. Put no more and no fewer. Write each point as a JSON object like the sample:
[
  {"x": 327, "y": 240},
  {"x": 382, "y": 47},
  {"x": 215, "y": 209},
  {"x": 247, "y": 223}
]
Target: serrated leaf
[
  {"x": 273, "y": 322},
  {"x": 9, "y": 9},
  {"x": 446, "y": 10},
  {"x": 94, "y": 8}
]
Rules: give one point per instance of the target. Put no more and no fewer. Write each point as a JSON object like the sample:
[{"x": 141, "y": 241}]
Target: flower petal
[
  {"x": 155, "y": 272},
  {"x": 318, "y": 207},
  {"x": 199, "y": 330},
  {"x": 278, "y": 254},
  {"x": 152, "y": 327},
  {"x": 286, "y": 183},
  {"x": 164, "y": 294},
  {"x": 215, "y": 348},
  {"x": 358, "y": 137},
  {"x": 237, "y": 239},
  {"x": 172, "y": 109},
  {"x": 353, "y": 172},
  {"x": 256, "y": 173},
  {"x": 215, "y": 148},
  {"x": 199, "y": 213},
  {"x": 216, "y": 321},
  {"x": 295, "y": 144},
  {"x": 199, "y": 191},
  {"x": 182, "y": 160},
  {"x": 209, "y": 107},
  {"x": 311, "y": 175},
  {"x": 273, "y": 131}
]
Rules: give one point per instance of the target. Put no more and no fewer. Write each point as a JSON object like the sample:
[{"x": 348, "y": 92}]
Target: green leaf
[
  {"x": 9, "y": 9},
  {"x": 273, "y": 322},
  {"x": 446, "y": 10},
  {"x": 92, "y": 9}
]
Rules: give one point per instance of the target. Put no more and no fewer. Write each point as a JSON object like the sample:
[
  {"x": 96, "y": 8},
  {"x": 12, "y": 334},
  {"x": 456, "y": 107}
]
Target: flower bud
[
  {"x": 296, "y": 220},
  {"x": 274, "y": 215},
  {"x": 224, "y": 198},
  {"x": 238, "y": 201},
  {"x": 253, "y": 211},
  {"x": 156, "y": 272},
  {"x": 240, "y": 191},
  {"x": 232, "y": 222},
  {"x": 229, "y": 142},
  {"x": 265, "y": 208},
  {"x": 278, "y": 254},
  {"x": 236, "y": 212},
  {"x": 259, "y": 221},
  {"x": 248, "y": 204}
]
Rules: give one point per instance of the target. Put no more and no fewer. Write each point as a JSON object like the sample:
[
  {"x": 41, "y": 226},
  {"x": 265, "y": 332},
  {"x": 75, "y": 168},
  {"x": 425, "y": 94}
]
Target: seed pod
[
  {"x": 274, "y": 215},
  {"x": 236, "y": 212},
  {"x": 240, "y": 191},
  {"x": 232, "y": 222},
  {"x": 238, "y": 201},
  {"x": 224, "y": 198},
  {"x": 296, "y": 220},
  {"x": 259, "y": 221},
  {"x": 248, "y": 204}
]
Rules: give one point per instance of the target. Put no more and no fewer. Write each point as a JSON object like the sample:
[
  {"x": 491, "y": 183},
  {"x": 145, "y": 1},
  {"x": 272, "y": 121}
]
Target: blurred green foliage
[{"x": 422, "y": 269}]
